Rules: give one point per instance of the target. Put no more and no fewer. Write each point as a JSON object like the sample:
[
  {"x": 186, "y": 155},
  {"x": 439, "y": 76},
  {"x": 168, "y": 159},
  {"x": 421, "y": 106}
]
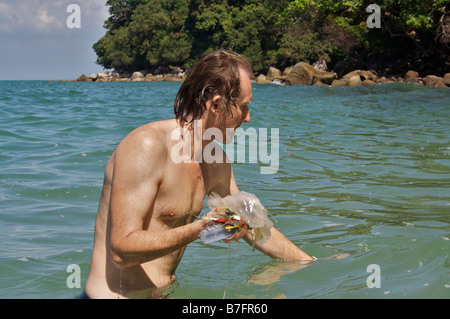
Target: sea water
[{"x": 363, "y": 172}]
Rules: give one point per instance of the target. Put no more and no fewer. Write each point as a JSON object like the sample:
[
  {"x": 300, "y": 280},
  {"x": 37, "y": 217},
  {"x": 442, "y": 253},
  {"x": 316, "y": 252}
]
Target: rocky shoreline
[
  {"x": 300, "y": 74},
  {"x": 305, "y": 74},
  {"x": 176, "y": 75}
]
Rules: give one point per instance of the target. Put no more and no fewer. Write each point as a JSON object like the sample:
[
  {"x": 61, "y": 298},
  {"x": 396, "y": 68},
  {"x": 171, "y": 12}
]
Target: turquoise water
[{"x": 362, "y": 171}]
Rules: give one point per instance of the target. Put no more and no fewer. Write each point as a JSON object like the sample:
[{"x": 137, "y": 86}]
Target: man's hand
[{"x": 237, "y": 235}]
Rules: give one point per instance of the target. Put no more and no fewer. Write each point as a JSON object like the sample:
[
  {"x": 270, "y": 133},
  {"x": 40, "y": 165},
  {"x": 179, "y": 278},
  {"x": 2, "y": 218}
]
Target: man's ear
[{"x": 217, "y": 99}]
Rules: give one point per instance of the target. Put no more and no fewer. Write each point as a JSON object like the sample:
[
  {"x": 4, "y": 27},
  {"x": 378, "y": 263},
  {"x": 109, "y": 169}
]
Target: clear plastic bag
[{"x": 241, "y": 206}]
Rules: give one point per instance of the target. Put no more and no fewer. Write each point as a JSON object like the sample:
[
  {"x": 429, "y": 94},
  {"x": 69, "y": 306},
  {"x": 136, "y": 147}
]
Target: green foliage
[
  {"x": 142, "y": 34},
  {"x": 153, "y": 35}
]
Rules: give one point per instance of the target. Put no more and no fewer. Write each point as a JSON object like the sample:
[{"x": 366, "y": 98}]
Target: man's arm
[
  {"x": 277, "y": 246},
  {"x": 138, "y": 171}
]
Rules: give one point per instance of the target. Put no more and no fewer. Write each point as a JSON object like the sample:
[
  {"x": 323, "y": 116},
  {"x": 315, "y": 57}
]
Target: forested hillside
[{"x": 145, "y": 34}]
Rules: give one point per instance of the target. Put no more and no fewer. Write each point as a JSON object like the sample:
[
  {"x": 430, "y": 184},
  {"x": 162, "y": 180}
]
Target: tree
[
  {"x": 143, "y": 34},
  {"x": 154, "y": 34},
  {"x": 120, "y": 12}
]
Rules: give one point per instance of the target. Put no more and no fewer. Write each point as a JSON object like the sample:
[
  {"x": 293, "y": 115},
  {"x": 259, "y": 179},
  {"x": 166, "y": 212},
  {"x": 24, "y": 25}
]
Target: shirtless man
[{"x": 149, "y": 203}]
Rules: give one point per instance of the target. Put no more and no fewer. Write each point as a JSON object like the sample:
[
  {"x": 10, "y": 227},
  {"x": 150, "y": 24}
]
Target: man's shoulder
[
  {"x": 157, "y": 128},
  {"x": 150, "y": 138}
]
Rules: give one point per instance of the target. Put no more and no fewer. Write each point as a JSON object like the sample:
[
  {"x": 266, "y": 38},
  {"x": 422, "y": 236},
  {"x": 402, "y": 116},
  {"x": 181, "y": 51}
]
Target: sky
[{"x": 43, "y": 40}]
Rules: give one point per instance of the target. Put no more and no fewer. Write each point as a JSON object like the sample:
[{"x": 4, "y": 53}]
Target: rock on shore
[
  {"x": 305, "y": 74},
  {"x": 177, "y": 75},
  {"x": 300, "y": 74}
]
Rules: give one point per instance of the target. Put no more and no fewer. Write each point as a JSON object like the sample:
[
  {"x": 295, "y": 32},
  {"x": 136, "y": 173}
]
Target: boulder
[
  {"x": 115, "y": 76},
  {"x": 158, "y": 78},
  {"x": 430, "y": 80},
  {"x": 447, "y": 79},
  {"x": 364, "y": 75},
  {"x": 104, "y": 79},
  {"x": 434, "y": 81},
  {"x": 369, "y": 75},
  {"x": 83, "y": 78},
  {"x": 355, "y": 80},
  {"x": 382, "y": 80},
  {"x": 301, "y": 74},
  {"x": 171, "y": 78},
  {"x": 411, "y": 77},
  {"x": 324, "y": 77},
  {"x": 287, "y": 71},
  {"x": 340, "y": 82},
  {"x": 273, "y": 73},
  {"x": 440, "y": 84},
  {"x": 148, "y": 77},
  {"x": 318, "y": 83},
  {"x": 262, "y": 79},
  {"x": 93, "y": 76},
  {"x": 266, "y": 81},
  {"x": 137, "y": 76},
  {"x": 102, "y": 75}
]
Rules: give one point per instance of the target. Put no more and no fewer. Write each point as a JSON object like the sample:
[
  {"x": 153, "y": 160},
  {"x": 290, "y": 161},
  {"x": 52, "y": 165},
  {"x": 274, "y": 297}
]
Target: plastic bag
[{"x": 242, "y": 206}]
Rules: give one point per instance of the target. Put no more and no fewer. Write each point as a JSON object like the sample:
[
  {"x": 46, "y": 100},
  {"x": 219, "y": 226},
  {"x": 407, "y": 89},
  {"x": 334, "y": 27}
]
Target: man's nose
[{"x": 246, "y": 117}]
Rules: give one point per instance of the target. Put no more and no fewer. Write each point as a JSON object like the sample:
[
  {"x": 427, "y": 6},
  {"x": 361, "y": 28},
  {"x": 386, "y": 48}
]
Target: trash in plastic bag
[{"x": 232, "y": 212}]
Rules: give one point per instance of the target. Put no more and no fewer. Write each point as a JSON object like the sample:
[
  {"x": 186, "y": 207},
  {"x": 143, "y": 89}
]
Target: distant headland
[
  {"x": 292, "y": 42},
  {"x": 301, "y": 73}
]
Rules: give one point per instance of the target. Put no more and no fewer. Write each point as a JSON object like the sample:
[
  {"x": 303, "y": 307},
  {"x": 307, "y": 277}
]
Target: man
[{"x": 149, "y": 203}]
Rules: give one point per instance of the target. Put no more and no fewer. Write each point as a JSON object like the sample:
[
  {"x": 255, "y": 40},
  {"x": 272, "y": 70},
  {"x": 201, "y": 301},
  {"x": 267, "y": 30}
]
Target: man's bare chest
[{"x": 180, "y": 196}]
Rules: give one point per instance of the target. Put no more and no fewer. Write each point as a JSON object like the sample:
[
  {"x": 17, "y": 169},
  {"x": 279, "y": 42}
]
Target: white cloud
[
  {"x": 36, "y": 42},
  {"x": 43, "y": 21},
  {"x": 43, "y": 16}
]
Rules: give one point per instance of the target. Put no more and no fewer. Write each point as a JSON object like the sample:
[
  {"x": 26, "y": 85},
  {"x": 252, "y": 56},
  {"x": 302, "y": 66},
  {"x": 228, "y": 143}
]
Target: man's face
[
  {"x": 239, "y": 114},
  {"x": 242, "y": 110}
]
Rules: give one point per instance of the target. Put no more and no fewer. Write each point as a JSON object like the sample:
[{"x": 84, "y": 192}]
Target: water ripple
[{"x": 363, "y": 171}]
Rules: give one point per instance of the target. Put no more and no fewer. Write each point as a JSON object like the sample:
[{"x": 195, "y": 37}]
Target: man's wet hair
[{"x": 216, "y": 73}]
